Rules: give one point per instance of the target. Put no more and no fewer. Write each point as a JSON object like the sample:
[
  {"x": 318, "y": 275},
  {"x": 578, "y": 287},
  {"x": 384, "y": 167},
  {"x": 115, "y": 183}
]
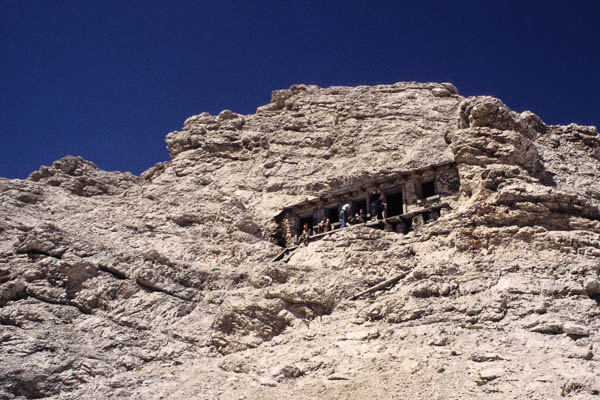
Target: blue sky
[{"x": 108, "y": 79}]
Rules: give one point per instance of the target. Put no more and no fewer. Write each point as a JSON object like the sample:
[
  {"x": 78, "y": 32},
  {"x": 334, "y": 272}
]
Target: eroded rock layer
[{"x": 162, "y": 286}]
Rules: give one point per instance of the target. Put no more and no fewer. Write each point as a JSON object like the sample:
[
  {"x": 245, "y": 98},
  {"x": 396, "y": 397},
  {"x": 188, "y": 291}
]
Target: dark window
[
  {"x": 359, "y": 205},
  {"x": 306, "y": 220},
  {"x": 394, "y": 204},
  {"x": 332, "y": 214},
  {"x": 427, "y": 189}
]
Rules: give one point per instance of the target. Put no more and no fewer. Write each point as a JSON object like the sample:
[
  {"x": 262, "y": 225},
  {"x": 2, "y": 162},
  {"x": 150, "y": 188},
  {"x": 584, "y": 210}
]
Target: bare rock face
[
  {"x": 82, "y": 177},
  {"x": 323, "y": 138},
  {"x": 164, "y": 286}
]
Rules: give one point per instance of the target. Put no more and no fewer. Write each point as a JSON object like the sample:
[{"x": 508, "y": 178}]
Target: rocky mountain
[{"x": 163, "y": 286}]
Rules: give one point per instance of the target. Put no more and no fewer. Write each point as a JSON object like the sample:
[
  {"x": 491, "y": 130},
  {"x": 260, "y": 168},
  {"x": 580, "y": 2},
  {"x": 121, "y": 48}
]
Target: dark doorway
[
  {"x": 306, "y": 220},
  {"x": 333, "y": 214},
  {"x": 395, "y": 205},
  {"x": 427, "y": 189},
  {"x": 360, "y": 205}
]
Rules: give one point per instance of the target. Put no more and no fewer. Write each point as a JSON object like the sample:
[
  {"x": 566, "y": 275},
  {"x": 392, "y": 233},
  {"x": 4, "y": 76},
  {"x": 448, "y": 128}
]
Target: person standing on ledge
[
  {"x": 344, "y": 214},
  {"x": 380, "y": 206}
]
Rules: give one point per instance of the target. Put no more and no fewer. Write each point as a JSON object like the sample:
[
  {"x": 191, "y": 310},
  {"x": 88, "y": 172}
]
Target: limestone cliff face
[
  {"x": 110, "y": 283},
  {"x": 82, "y": 177}
]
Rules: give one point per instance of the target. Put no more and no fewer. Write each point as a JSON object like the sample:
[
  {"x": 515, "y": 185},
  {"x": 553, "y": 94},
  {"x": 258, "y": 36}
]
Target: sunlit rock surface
[{"x": 162, "y": 286}]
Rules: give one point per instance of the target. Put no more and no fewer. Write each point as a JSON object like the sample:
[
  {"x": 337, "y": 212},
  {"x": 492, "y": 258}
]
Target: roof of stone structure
[{"x": 371, "y": 184}]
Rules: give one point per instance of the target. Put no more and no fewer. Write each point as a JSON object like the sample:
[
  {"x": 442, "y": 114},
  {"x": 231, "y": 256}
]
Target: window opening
[
  {"x": 360, "y": 205},
  {"x": 427, "y": 189},
  {"x": 333, "y": 215},
  {"x": 395, "y": 205}
]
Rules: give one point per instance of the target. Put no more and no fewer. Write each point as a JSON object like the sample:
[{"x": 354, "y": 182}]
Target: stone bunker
[{"x": 413, "y": 198}]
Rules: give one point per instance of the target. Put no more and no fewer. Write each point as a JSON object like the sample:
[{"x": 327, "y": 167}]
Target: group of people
[
  {"x": 379, "y": 209},
  {"x": 347, "y": 217}
]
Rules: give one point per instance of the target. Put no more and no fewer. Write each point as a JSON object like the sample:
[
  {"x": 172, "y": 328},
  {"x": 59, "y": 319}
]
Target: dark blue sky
[{"x": 108, "y": 79}]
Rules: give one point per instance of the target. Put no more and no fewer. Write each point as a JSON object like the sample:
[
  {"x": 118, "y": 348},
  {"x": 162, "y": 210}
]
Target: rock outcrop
[
  {"x": 162, "y": 286},
  {"x": 82, "y": 177}
]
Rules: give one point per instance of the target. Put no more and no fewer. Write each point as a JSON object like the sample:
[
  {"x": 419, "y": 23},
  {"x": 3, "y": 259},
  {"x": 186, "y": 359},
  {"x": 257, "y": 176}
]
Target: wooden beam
[
  {"x": 283, "y": 253},
  {"x": 380, "y": 286}
]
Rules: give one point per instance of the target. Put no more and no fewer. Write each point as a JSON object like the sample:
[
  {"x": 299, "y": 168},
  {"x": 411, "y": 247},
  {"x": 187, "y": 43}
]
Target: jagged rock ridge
[{"x": 162, "y": 287}]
